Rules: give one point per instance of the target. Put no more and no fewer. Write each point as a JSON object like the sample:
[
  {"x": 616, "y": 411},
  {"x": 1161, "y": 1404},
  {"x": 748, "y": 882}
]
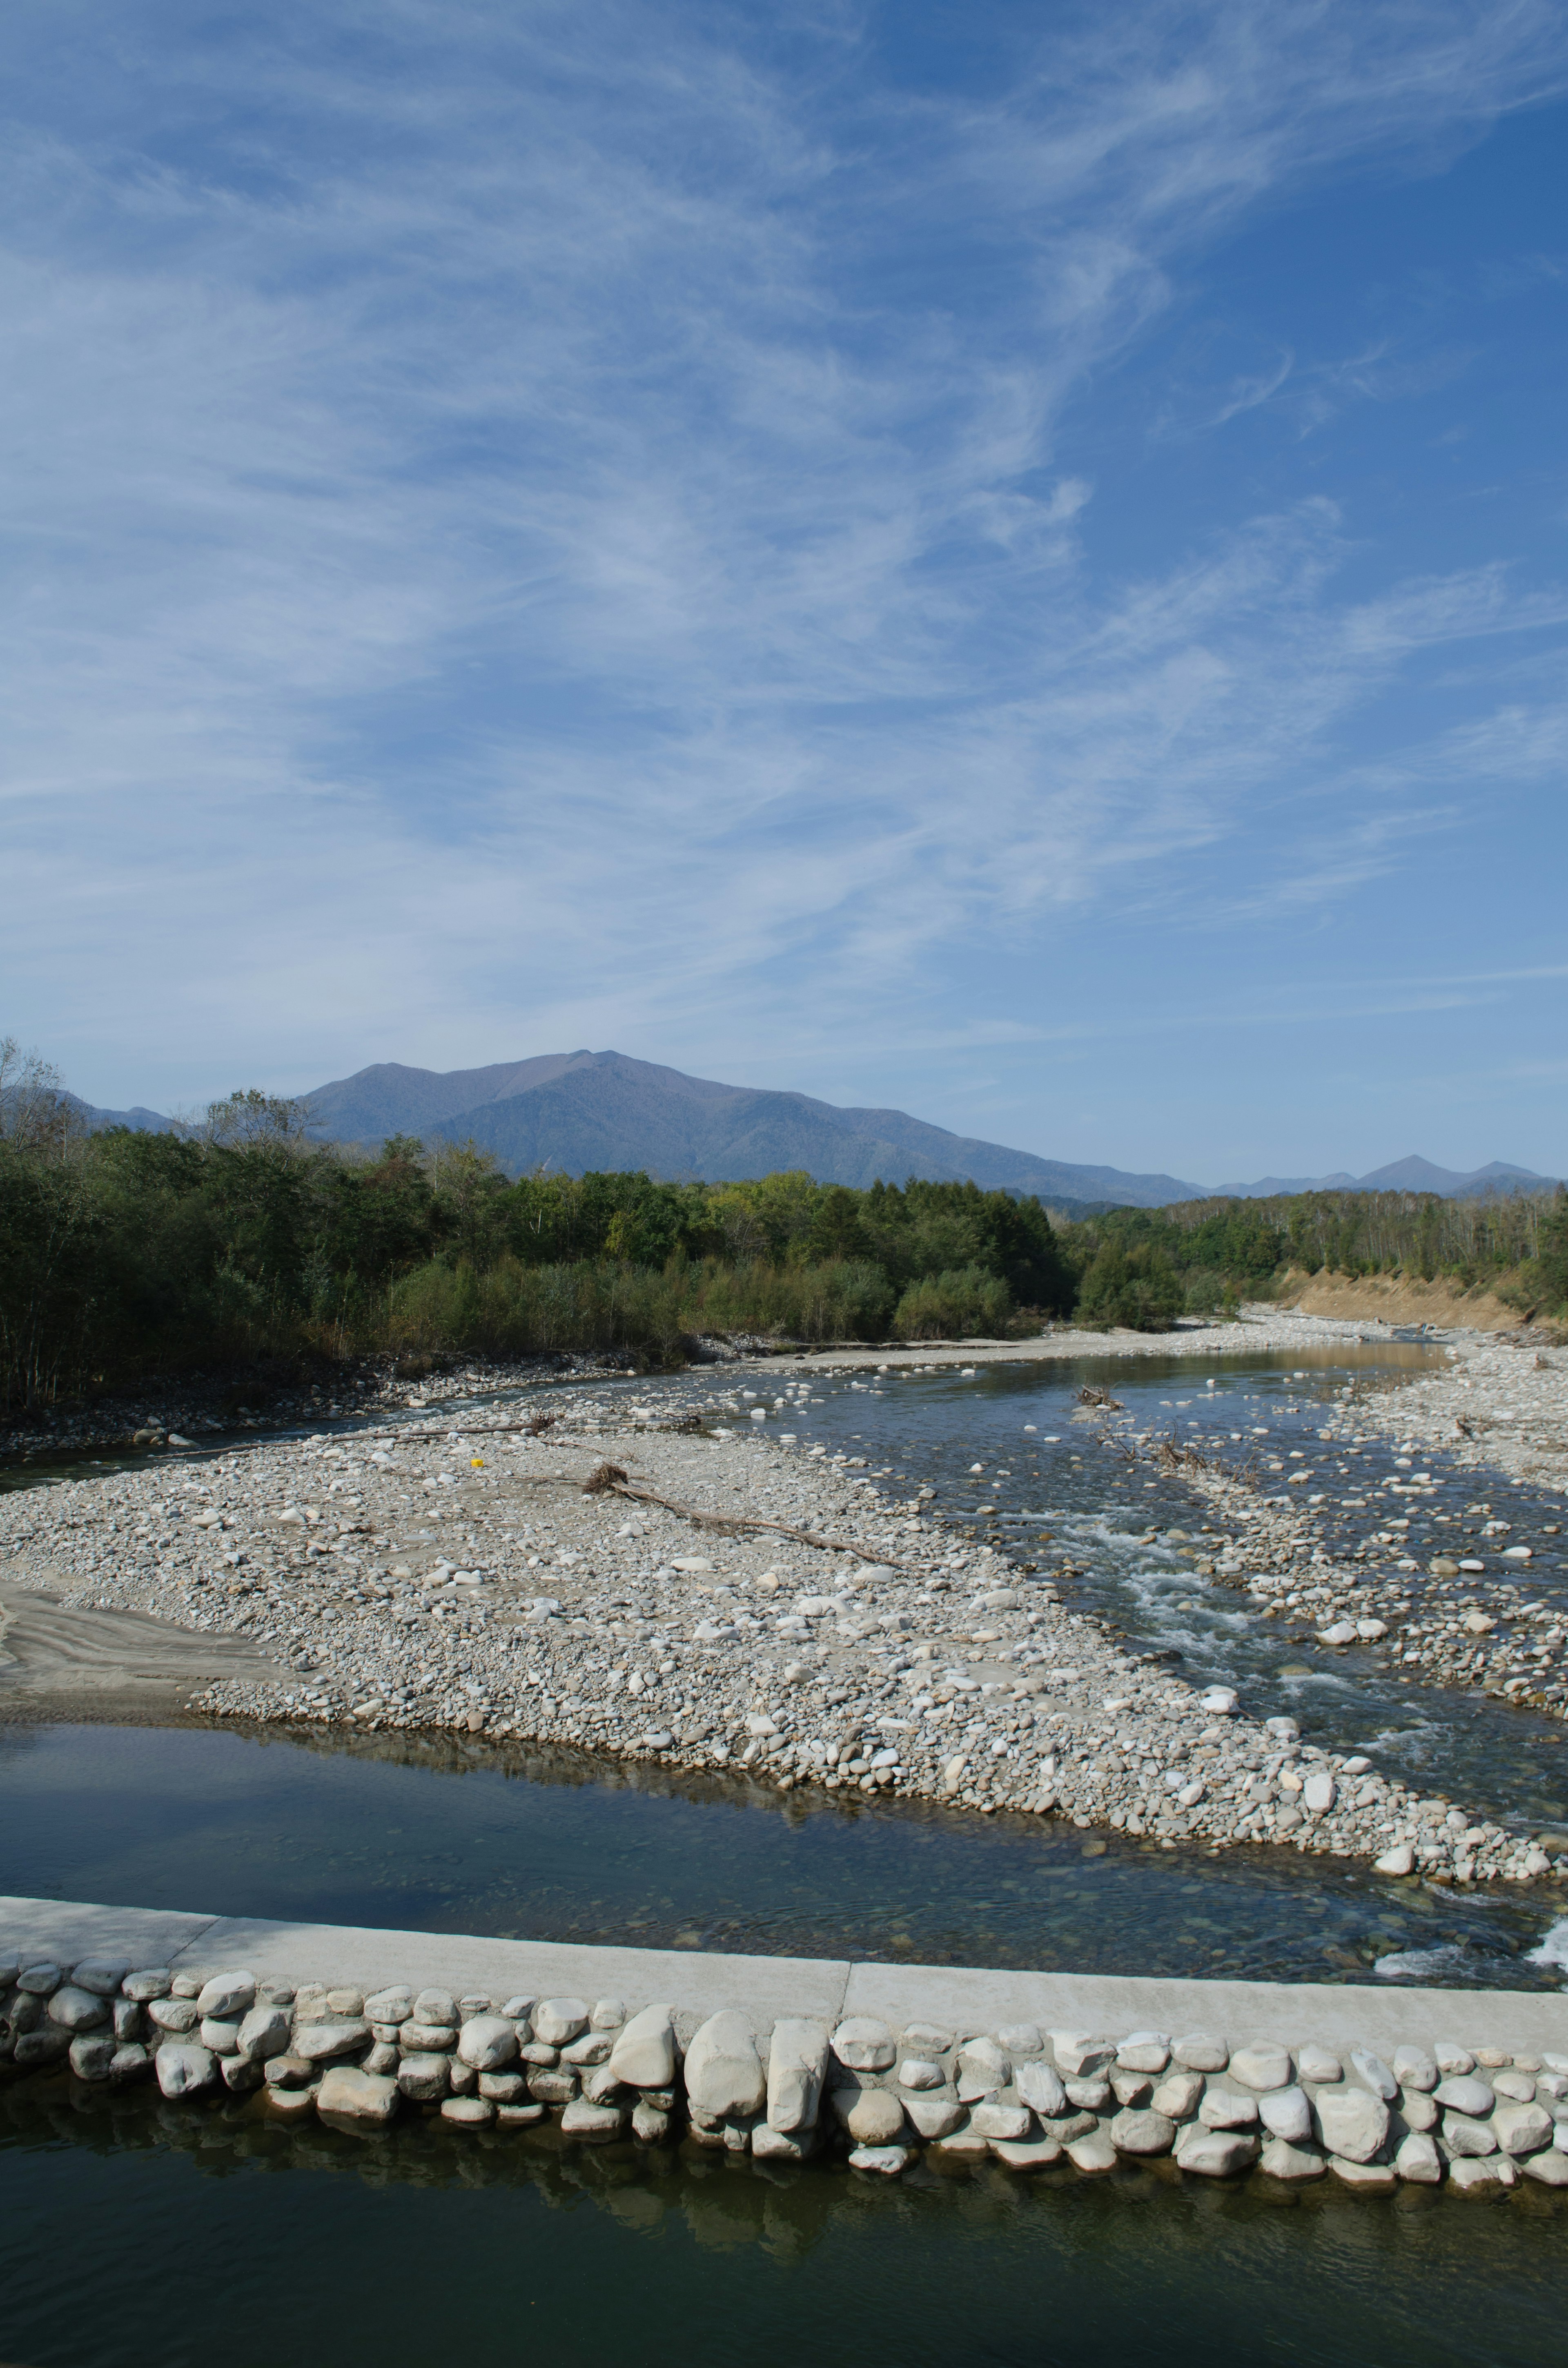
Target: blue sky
[{"x": 1008, "y": 561}]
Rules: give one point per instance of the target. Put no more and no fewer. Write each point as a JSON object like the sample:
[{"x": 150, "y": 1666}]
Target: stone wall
[{"x": 1475, "y": 2117}]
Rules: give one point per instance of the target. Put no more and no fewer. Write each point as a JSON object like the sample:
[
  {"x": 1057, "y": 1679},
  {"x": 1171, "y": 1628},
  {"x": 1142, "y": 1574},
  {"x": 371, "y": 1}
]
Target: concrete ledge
[{"x": 962, "y": 1998}]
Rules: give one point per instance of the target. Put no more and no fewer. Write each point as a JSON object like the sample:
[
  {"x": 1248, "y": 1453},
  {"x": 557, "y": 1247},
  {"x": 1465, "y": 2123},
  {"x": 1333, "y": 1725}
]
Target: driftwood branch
[{"x": 610, "y": 1480}]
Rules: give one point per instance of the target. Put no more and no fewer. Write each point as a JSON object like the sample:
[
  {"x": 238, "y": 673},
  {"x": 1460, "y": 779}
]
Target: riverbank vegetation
[{"x": 236, "y": 1241}]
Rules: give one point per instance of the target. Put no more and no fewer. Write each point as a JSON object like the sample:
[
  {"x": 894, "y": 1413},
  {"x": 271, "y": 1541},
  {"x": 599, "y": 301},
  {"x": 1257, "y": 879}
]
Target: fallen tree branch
[{"x": 610, "y": 1480}]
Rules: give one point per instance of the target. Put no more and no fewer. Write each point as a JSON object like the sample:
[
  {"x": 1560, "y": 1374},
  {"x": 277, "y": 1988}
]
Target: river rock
[
  {"x": 1079, "y": 2055},
  {"x": 1041, "y": 2088},
  {"x": 1375, "y": 2073},
  {"x": 424, "y": 2079},
  {"x": 1286, "y": 2113},
  {"x": 887, "y": 2160},
  {"x": 173, "y": 2015},
  {"x": 1464, "y": 2094},
  {"x": 416, "y": 2038},
  {"x": 1371, "y": 2177},
  {"x": 45, "y": 2045},
  {"x": 226, "y": 1996},
  {"x": 1522, "y": 2129},
  {"x": 1144, "y": 2051},
  {"x": 644, "y": 2055},
  {"x": 488, "y": 2043},
  {"x": 1315, "y": 2064},
  {"x": 222, "y": 2038},
  {"x": 394, "y": 2005},
  {"x": 1216, "y": 2154},
  {"x": 1262, "y": 2064},
  {"x": 92, "y": 2056},
  {"x": 997, "y": 2120},
  {"x": 1281, "y": 2160},
  {"x": 102, "y": 1979},
  {"x": 40, "y": 1980},
  {"x": 559, "y": 2020},
  {"x": 75, "y": 2010},
  {"x": 184, "y": 2070},
  {"x": 1418, "y": 2160},
  {"x": 131, "y": 2061},
  {"x": 595, "y": 2124},
  {"x": 1548, "y": 2166},
  {"x": 1398, "y": 1859},
  {"x": 797, "y": 2068},
  {"x": 1414, "y": 2068},
  {"x": 872, "y": 2116},
  {"x": 651, "y": 2125},
  {"x": 1350, "y": 2123},
  {"x": 1177, "y": 2096},
  {"x": 357, "y": 2096},
  {"x": 263, "y": 2034},
  {"x": 938, "y": 2117},
  {"x": 152, "y": 1982},
  {"x": 863, "y": 2044},
  {"x": 319, "y": 2042},
  {"x": 1139, "y": 2131},
  {"x": 1200, "y": 2052},
  {"x": 468, "y": 2112},
  {"x": 437, "y": 2007},
  {"x": 723, "y": 2078},
  {"x": 1476, "y": 2175},
  {"x": 1227, "y": 2109},
  {"x": 1093, "y": 2154}
]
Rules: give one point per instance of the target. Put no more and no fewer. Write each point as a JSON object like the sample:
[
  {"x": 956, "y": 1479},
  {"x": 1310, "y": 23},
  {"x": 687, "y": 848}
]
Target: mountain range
[{"x": 573, "y": 1112}]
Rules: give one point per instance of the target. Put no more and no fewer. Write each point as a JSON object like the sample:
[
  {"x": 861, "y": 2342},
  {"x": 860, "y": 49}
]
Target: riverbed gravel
[{"x": 458, "y": 1575}]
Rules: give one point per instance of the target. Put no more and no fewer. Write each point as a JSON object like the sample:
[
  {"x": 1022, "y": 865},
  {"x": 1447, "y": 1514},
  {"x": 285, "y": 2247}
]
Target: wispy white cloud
[{"x": 553, "y": 526}]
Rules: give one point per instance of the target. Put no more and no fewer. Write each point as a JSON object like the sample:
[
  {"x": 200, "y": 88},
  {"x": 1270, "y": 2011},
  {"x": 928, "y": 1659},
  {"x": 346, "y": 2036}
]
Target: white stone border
[{"x": 785, "y": 2058}]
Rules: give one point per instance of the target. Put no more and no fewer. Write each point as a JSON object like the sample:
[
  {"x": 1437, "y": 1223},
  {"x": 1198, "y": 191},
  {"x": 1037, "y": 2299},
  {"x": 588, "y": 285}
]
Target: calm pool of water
[
  {"x": 134, "y": 2234},
  {"x": 439, "y": 1836}
]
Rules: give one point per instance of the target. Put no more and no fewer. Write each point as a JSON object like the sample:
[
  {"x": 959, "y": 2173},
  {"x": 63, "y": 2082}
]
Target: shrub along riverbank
[{"x": 238, "y": 1242}]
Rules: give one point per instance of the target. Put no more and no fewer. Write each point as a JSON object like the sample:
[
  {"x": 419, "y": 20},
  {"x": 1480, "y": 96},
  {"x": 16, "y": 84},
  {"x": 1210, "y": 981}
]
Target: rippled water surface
[
  {"x": 470, "y": 1838},
  {"x": 139, "y": 2236}
]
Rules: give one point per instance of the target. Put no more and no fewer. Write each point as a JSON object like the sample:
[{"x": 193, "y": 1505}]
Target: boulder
[
  {"x": 1079, "y": 2055},
  {"x": 797, "y": 2066},
  {"x": 319, "y": 2042},
  {"x": 227, "y": 1997},
  {"x": 863, "y": 2044},
  {"x": 184, "y": 2070},
  {"x": 594, "y": 2125},
  {"x": 103, "y": 1979},
  {"x": 1418, "y": 2160},
  {"x": 1216, "y": 2154},
  {"x": 488, "y": 2043},
  {"x": 723, "y": 2078},
  {"x": 1351, "y": 2122},
  {"x": 938, "y": 2117},
  {"x": 643, "y": 2056},
  {"x": 75, "y": 2009},
  {"x": 557, "y": 2021},
  {"x": 1286, "y": 2113},
  {"x": 1041, "y": 2088},
  {"x": 263, "y": 2034},
  {"x": 1139, "y": 2131},
  {"x": 1280, "y": 2159},
  {"x": 424, "y": 2078},
  {"x": 357, "y": 2096},
  {"x": 872, "y": 2116},
  {"x": 1262, "y": 2064},
  {"x": 1522, "y": 2129},
  {"x": 995, "y": 2119},
  {"x": 1462, "y": 2093}
]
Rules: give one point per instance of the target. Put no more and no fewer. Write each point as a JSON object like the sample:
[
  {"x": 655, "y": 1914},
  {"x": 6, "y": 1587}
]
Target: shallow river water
[{"x": 135, "y": 2233}]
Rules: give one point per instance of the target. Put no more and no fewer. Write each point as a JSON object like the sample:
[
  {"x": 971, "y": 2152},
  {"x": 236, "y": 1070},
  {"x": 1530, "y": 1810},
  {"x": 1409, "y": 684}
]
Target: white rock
[
  {"x": 1414, "y": 2068},
  {"x": 797, "y": 2068},
  {"x": 645, "y": 2052},
  {"x": 317, "y": 2042},
  {"x": 1079, "y": 2055},
  {"x": 263, "y": 2034},
  {"x": 938, "y": 2117},
  {"x": 357, "y": 2096},
  {"x": 1316, "y": 2064},
  {"x": 395, "y": 2005},
  {"x": 557, "y": 2021},
  {"x": 1262, "y": 2064},
  {"x": 184, "y": 2070},
  {"x": 75, "y": 2009},
  {"x": 1375, "y": 2073},
  {"x": 1140, "y": 2131},
  {"x": 1464, "y": 2093},
  {"x": 1281, "y": 2160},
  {"x": 226, "y": 1996},
  {"x": 1215, "y": 2154},
  {"x": 887, "y": 2160},
  {"x": 424, "y": 2078},
  {"x": 1227, "y": 2109},
  {"x": 1351, "y": 2122},
  {"x": 1418, "y": 2160},
  {"x": 1286, "y": 2113},
  {"x": 1144, "y": 2051},
  {"x": 597, "y": 2124},
  {"x": 1317, "y": 1792},
  {"x": 1522, "y": 2129},
  {"x": 863, "y": 2044},
  {"x": 1200, "y": 2052},
  {"x": 1399, "y": 1859},
  {"x": 918, "y": 2072},
  {"x": 1040, "y": 2086},
  {"x": 723, "y": 2078},
  {"x": 1463, "y": 2136},
  {"x": 1342, "y": 1633},
  {"x": 488, "y": 2043},
  {"x": 995, "y": 2119}
]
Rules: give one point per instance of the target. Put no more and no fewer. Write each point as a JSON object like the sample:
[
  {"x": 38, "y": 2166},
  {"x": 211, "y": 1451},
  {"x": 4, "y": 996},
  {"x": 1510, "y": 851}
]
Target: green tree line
[{"x": 235, "y": 1239}]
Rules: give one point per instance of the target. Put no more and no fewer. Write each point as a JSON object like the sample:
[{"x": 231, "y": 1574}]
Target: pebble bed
[
  {"x": 1476, "y": 2118},
  {"x": 459, "y": 1576}
]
